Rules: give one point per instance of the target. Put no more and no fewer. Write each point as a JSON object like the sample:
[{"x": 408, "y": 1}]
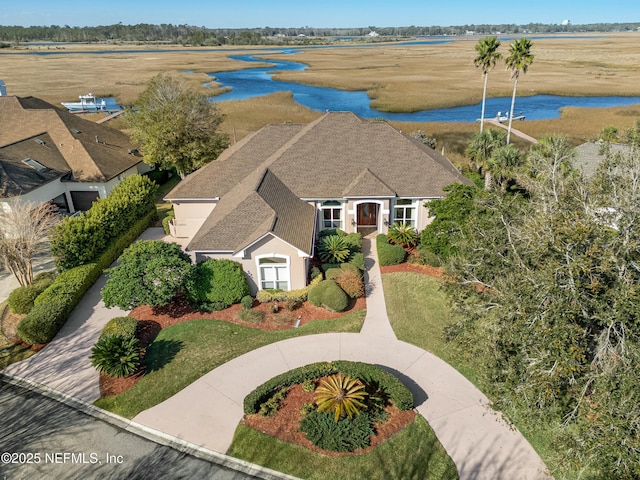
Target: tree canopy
[
  {"x": 547, "y": 285},
  {"x": 176, "y": 127}
]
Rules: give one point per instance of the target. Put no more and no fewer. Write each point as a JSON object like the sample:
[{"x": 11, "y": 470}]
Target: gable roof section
[
  {"x": 258, "y": 205},
  {"x": 96, "y": 154},
  {"x": 335, "y": 156},
  {"x": 588, "y": 156},
  {"x": 17, "y": 177}
]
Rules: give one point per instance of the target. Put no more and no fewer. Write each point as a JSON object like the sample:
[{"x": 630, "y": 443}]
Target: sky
[{"x": 325, "y": 13}]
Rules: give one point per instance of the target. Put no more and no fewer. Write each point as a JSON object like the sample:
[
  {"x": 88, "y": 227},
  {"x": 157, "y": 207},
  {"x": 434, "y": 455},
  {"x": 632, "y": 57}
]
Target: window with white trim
[
  {"x": 274, "y": 273},
  {"x": 404, "y": 210},
  {"x": 331, "y": 214}
]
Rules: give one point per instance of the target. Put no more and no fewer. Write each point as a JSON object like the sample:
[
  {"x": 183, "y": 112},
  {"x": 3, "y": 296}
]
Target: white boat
[{"x": 87, "y": 103}]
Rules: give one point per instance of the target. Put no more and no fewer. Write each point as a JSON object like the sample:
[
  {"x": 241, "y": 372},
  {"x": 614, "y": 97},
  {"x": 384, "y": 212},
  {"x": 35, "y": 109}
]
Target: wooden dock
[
  {"x": 120, "y": 112},
  {"x": 515, "y": 132}
]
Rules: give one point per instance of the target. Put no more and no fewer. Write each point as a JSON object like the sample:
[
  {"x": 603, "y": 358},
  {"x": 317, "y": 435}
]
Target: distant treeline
[{"x": 192, "y": 35}]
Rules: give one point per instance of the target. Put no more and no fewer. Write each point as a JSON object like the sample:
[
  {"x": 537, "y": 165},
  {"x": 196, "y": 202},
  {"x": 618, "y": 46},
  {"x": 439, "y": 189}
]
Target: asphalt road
[{"x": 41, "y": 438}]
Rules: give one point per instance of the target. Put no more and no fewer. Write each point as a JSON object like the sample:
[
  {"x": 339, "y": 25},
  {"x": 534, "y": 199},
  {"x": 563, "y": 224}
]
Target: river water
[{"x": 255, "y": 82}]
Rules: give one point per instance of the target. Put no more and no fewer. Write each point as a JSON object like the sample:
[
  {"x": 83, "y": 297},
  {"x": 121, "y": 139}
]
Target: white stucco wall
[{"x": 190, "y": 215}]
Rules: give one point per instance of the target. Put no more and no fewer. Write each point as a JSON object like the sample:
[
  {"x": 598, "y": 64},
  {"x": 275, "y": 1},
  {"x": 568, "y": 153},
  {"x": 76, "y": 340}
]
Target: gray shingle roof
[
  {"x": 325, "y": 158},
  {"x": 253, "y": 209},
  {"x": 588, "y": 156}
]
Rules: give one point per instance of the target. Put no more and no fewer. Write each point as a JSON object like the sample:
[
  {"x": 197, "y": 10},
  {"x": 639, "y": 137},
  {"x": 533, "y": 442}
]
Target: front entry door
[{"x": 368, "y": 215}]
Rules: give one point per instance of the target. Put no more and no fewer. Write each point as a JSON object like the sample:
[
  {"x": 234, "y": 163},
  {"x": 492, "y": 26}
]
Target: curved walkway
[{"x": 482, "y": 445}]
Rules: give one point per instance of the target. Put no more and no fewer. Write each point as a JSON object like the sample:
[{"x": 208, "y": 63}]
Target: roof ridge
[{"x": 365, "y": 172}]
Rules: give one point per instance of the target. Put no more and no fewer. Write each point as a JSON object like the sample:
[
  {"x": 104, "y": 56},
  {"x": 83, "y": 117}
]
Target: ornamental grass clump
[
  {"x": 341, "y": 394},
  {"x": 116, "y": 355}
]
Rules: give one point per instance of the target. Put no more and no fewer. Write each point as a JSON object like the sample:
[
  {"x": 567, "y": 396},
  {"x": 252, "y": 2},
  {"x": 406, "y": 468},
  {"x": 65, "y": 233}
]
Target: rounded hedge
[
  {"x": 369, "y": 374},
  {"x": 389, "y": 254},
  {"x": 124, "y": 326},
  {"x": 220, "y": 283},
  {"x": 329, "y": 295},
  {"x": 21, "y": 300}
]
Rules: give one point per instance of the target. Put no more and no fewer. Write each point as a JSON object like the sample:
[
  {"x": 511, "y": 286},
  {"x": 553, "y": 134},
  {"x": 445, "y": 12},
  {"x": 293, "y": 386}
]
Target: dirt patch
[
  {"x": 10, "y": 323},
  {"x": 285, "y": 424}
]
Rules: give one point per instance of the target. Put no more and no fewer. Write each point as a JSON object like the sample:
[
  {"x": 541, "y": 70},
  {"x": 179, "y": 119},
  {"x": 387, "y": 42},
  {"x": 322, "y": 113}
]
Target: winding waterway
[{"x": 256, "y": 82}]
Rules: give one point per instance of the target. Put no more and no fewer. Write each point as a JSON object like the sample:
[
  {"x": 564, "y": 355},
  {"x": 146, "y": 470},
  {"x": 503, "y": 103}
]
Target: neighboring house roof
[
  {"x": 588, "y": 155},
  {"x": 21, "y": 173},
  {"x": 339, "y": 155},
  {"x": 252, "y": 210},
  {"x": 90, "y": 151}
]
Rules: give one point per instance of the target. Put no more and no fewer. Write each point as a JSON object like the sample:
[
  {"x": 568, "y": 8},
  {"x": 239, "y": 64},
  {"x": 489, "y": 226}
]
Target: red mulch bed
[
  {"x": 153, "y": 319},
  {"x": 437, "y": 272},
  {"x": 284, "y": 425}
]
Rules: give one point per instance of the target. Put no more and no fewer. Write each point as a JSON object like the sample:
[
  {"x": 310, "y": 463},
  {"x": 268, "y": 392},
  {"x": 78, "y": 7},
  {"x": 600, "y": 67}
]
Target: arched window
[
  {"x": 274, "y": 272},
  {"x": 331, "y": 214}
]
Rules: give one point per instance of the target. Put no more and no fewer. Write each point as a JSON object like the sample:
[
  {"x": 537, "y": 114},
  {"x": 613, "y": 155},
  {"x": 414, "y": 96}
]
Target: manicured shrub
[
  {"x": 307, "y": 408},
  {"x": 384, "y": 382},
  {"x": 171, "y": 214},
  {"x": 350, "y": 268},
  {"x": 123, "y": 326},
  {"x": 116, "y": 355},
  {"x": 308, "y": 386},
  {"x": 216, "y": 281},
  {"x": 351, "y": 282},
  {"x": 21, "y": 299},
  {"x": 426, "y": 257},
  {"x": 276, "y": 295},
  {"x": 403, "y": 234},
  {"x": 271, "y": 406},
  {"x": 333, "y": 249},
  {"x": 354, "y": 241},
  {"x": 345, "y": 435},
  {"x": 332, "y": 273},
  {"x": 357, "y": 260},
  {"x": 340, "y": 394},
  {"x": 70, "y": 286},
  {"x": 329, "y": 266},
  {"x": 247, "y": 302},
  {"x": 389, "y": 254},
  {"x": 292, "y": 304},
  {"x": 315, "y": 272},
  {"x": 150, "y": 272},
  {"x": 327, "y": 232},
  {"x": 43, "y": 322},
  {"x": 81, "y": 239},
  {"x": 329, "y": 295}
]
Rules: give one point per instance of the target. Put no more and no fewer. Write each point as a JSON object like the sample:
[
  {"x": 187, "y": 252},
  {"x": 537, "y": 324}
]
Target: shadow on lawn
[{"x": 160, "y": 353}]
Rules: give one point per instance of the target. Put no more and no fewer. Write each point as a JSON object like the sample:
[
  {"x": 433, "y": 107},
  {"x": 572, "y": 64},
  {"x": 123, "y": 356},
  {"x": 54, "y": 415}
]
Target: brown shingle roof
[
  {"x": 325, "y": 158},
  {"x": 258, "y": 205},
  {"x": 17, "y": 177},
  {"x": 89, "y": 160}
]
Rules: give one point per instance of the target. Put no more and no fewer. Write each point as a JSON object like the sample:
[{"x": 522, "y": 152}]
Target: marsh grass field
[{"x": 396, "y": 78}]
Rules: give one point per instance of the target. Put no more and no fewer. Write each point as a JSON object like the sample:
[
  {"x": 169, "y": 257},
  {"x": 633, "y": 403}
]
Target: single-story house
[
  {"x": 47, "y": 154},
  {"x": 263, "y": 200}
]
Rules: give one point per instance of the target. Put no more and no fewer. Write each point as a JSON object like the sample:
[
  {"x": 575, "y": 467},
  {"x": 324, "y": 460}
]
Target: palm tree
[
  {"x": 519, "y": 59},
  {"x": 480, "y": 150},
  {"x": 504, "y": 163},
  {"x": 487, "y": 58}
]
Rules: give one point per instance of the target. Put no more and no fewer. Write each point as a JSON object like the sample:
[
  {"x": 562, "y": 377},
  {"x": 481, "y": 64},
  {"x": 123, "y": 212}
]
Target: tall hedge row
[
  {"x": 389, "y": 254},
  {"x": 389, "y": 383},
  {"x": 53, "y": 306},
  {"x": 81, "y": 239}
]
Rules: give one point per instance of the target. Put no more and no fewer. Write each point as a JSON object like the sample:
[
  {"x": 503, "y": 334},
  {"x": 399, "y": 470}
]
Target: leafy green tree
[
  {"x": 481, "y": 148},
  {"x": 150, "y": 272},
  {"x": 175, "y": 126},
  {"x": 517, "y": 62},
  {"x": 487, "y": 56}
]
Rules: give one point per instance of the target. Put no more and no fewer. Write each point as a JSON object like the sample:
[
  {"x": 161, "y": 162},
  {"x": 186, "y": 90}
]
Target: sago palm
[
  {"x": 519, "y": 59},
  {"x": 486, "y": 59},
  {"x": 341, "y": 394}
]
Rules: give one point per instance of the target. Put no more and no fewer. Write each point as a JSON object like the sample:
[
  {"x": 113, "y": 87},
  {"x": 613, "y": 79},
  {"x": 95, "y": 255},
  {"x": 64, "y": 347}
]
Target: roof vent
[
  {"x": 75, "y": 130},
  {"x": 35, "y": 164},
  {"x": 38, "y": 140},
  {"x": 133, "y": 151}
]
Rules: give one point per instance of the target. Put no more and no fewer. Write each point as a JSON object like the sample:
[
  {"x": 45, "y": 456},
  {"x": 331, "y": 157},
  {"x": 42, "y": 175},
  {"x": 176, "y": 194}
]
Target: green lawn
[
  {"x": 419, "y": 312},
  {"x": 184, "y": 352},
  {"x": 413, "y": 453}
]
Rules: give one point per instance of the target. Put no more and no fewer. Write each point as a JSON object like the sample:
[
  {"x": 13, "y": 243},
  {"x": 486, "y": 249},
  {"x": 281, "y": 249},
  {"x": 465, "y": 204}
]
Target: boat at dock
[{"x": 90, "y": 104}]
